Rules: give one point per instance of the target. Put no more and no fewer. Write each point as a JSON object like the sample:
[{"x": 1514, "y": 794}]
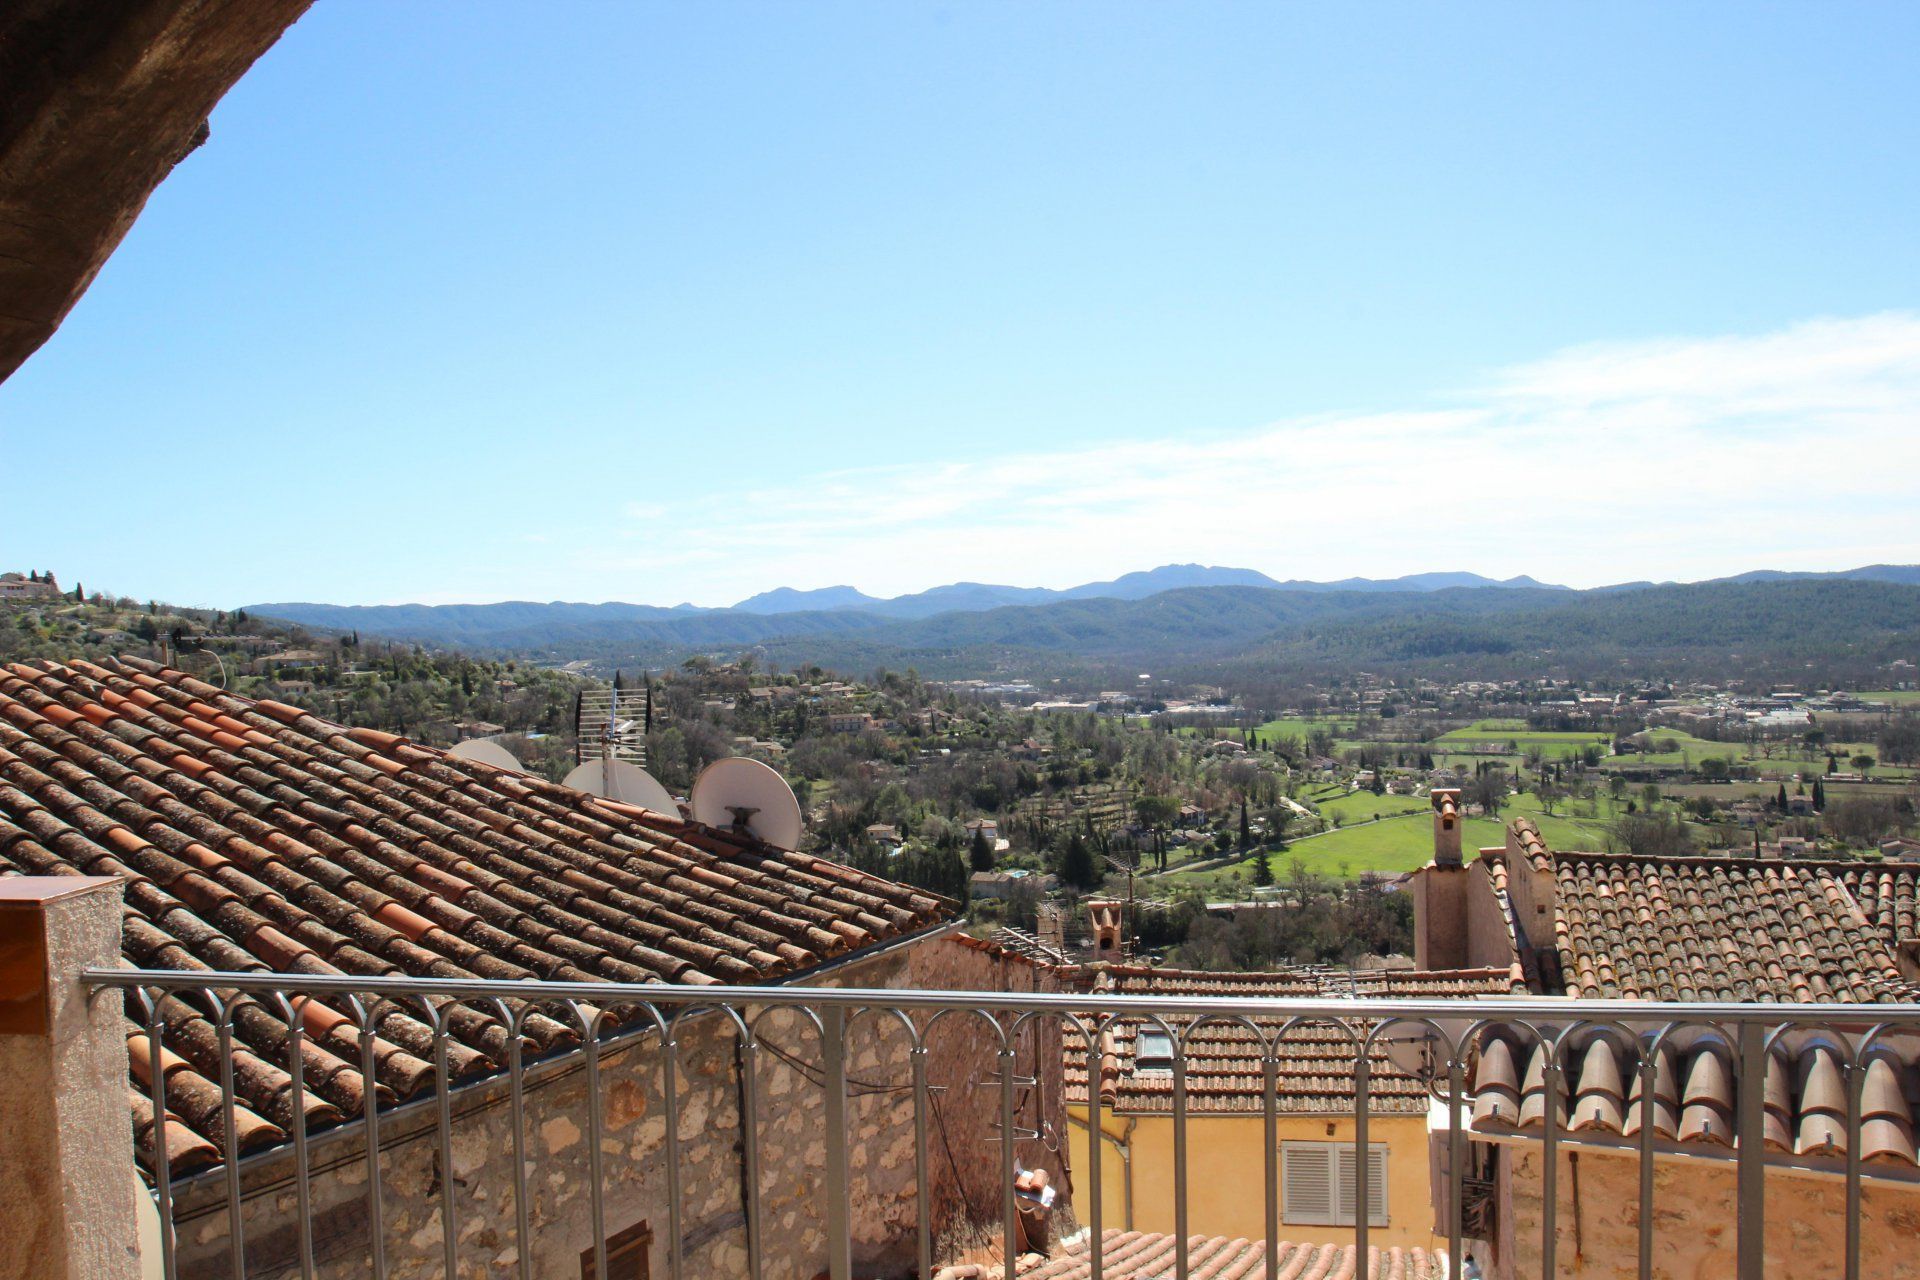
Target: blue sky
[{"x": 668, "y": 302}]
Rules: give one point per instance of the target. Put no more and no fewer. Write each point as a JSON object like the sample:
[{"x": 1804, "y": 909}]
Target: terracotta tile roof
[
  {"x": 1223, "y": 1059},
  {"x": 1531, "y": 843},
  {"x": 255, "y": 836},
  {"x": 1135, "y": 1255},
  {"x": 1732, "y": 928},
  {"x": 1433, "y": 984},
  {"x": 1694, "y": 1096}
]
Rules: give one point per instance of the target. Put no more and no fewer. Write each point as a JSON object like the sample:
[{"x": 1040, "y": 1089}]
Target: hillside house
[
  {"x": 20, "y": 586},
  {"x": 986, "y": 828}
]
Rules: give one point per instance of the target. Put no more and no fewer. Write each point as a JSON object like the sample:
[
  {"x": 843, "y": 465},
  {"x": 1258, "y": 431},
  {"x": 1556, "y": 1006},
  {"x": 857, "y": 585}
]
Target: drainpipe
[{"x": 1124, "y": 1146}]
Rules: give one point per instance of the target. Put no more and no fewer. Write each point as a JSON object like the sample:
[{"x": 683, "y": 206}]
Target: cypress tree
[
  {"x": 1077, "y": 867},
  {"x": 1262, "y": 870},
  {"x": 979, "y": 852}
]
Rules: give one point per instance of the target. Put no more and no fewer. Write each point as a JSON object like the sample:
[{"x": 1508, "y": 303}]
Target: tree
[
  {"x": 1262, "y": 870},
  {"x": 1650, "y": 835},
  {"x": 979, "y": 852},
  {"x": 1489, "y": 790},
  {"x": 1077, "y": 866},
  {"x": 1246, "y": 829},
  {"x": 1900, "y": 740},
  {"x": 1780, "y": 801},
  {"x": 1819, "y": 794},
  {"x": 1862, "y": 763}
]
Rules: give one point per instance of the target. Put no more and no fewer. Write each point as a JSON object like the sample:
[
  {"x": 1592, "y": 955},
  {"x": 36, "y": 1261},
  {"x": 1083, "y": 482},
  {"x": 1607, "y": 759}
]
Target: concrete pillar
[{"x": 67, "y": 1190}]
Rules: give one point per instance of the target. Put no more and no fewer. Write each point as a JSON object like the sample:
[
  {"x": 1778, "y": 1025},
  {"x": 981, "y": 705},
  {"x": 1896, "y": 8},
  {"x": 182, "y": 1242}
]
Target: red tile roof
[
  {"x": 1135, "y": 1255},
  {"x": 1694, "y": 1096},
  {"x": 255, "y": 836},
  {"x": 1223, "y": 1069},
  {"x": 1732, "y": 929}
]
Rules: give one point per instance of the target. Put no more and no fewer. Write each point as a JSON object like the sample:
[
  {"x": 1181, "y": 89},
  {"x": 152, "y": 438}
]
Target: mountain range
[
  {"x": 974, "y": 596},
  {"x": 1191, "y": 614},
  {"x": 479, "y": 624}
]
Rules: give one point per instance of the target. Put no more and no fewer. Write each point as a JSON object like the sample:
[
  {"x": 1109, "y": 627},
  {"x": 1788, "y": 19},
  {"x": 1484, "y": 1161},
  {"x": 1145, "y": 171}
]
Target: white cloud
[{"x": 1678, "y": 458}]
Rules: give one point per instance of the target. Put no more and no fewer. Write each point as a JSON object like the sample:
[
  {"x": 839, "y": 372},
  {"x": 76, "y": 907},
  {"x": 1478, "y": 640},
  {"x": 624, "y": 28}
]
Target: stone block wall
[
  {"x": 964, "y": 1172},
  {"x": 1597, "y": 1231}
]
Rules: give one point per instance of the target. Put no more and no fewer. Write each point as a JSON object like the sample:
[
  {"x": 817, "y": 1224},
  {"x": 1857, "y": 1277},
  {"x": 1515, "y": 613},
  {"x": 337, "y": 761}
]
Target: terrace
[{"x": 542, "y": 1162}]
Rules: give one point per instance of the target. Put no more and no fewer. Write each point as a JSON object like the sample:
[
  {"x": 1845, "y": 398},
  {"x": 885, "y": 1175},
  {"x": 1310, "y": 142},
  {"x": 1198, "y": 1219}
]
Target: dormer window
[{"x": 1153, "y": 1053}]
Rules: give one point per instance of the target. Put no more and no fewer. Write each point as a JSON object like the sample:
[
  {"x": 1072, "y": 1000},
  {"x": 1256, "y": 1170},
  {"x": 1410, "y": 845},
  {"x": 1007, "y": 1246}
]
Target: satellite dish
[
  {"x": 626, "y": 783},
  {"x": 738, "y": 793},
  {"x": 486, "y": 751}
]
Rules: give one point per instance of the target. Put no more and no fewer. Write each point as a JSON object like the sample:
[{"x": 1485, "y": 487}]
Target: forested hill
[{"x": 1811, "y": 619}]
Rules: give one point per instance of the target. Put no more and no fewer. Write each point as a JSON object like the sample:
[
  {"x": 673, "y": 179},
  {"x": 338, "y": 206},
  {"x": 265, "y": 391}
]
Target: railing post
[
  {"x": 67, "y": 1177},
  {"x": 1362, "y": 1220},
  {"x": 1750, "y": 1152},
  {"x": 833, "y": 1052}
]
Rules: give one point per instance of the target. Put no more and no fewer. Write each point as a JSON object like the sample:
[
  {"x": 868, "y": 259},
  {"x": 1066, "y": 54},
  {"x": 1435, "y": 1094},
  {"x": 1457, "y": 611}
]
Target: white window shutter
[
  {"x": 1346, "y": 1200},
  {"x": 1306, "y": 1182}
]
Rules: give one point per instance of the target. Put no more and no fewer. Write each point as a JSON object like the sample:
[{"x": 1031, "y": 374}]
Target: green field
[
  {"x": 1406, "y": 842},
  {"x": 1898, "y": 697},
  {"x": 1518, "y": 739},
  {"x": 1359, "y": 806},
  {"x": 1301, "y": 726},
  {"x": 1774, "y": 759}
]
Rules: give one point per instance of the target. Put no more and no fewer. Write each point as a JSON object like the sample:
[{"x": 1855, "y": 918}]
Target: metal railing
[{"x": 1436, "y": 1039}]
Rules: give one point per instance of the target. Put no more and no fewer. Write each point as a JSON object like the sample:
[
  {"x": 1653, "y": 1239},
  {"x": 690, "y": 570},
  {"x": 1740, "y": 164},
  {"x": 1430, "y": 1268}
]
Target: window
[
  {"x": 626, "y": 1254},
  {"x": 1153, "y": 1051},
  {"x": 1318, "y": 1183}
]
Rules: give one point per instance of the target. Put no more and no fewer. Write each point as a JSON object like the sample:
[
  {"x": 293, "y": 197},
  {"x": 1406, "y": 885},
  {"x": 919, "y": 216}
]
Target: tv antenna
[
  {"x": 611, "y": 723},
  {"x": 748, "y": 798}
]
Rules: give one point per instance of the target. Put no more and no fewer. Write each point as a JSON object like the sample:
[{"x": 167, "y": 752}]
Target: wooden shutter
[
  {"x": 626, "y": 1255},
  {"x": 1347, "y": 1197},
  {"x": 1306, "y": 1182}
]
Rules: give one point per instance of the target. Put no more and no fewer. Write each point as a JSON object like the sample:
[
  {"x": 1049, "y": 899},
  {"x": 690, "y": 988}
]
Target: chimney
[
  {"x": 1440, "y": 892},
  {"x": 1446, "y": 827},
  {"x": 1108, "y": 920},
  {"x": 1530, "y": 885}
]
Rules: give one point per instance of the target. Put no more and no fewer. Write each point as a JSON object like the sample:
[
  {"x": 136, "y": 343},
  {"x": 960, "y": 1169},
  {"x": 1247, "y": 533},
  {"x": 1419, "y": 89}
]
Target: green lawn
[{"x": 1898, "y": 697}]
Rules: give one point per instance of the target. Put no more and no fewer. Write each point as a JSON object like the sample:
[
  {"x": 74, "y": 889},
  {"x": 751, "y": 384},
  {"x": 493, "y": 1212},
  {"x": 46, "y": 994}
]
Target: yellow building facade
[
  {"x": 1131, "y": 1073},
  {"x": 1226, "y": 1178}
]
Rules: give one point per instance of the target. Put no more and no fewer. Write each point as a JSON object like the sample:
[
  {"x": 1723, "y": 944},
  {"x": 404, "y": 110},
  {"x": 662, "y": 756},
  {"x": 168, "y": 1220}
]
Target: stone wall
[
  {"x": 1695, "y": 1202},
  {"x": 791, "y": 1133}
]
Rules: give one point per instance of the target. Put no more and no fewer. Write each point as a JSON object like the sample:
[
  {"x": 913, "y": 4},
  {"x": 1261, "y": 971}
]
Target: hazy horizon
[{"x": 1053, "y": 586}]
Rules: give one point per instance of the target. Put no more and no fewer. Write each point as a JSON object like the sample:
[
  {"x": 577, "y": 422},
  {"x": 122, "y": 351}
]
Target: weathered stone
[
  {"x": 625, "y": 1102},
  {"x": 559, "y": 1134}
]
